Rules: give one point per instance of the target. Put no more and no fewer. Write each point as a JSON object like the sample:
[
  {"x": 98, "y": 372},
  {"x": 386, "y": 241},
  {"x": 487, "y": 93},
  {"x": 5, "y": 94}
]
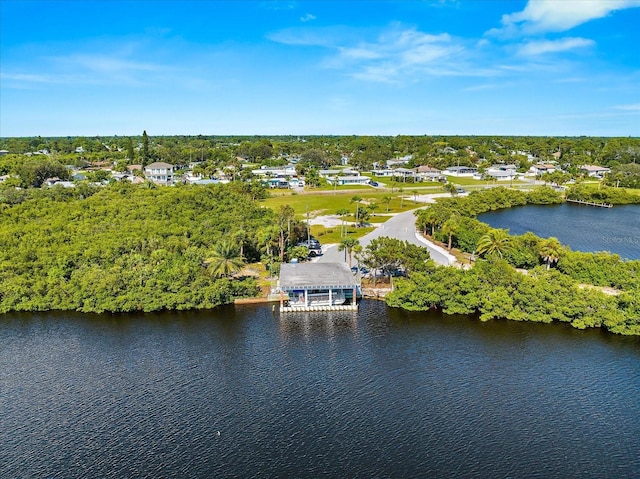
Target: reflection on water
[
  {"x": 378, "y": 393},
  {"x": 327, "y": 324}
]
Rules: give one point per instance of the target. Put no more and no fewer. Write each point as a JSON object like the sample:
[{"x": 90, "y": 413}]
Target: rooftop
[{"x": 294, "y": 276}]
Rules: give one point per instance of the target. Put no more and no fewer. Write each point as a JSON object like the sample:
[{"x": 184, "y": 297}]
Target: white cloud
[
  {"x": 553, "y": 46},
  {"x": 308, "y": 17},
  {"x": 540, "y": 16},
  {"x": 399, "y": 54},
  {"x": 631, "y": 107},
  {"x": 105, "y": 64}
]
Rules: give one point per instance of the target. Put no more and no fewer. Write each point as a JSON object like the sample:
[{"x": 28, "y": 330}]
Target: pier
[
  {"x": 317, "y": 287},
  {"x": 590, "y": 203}
]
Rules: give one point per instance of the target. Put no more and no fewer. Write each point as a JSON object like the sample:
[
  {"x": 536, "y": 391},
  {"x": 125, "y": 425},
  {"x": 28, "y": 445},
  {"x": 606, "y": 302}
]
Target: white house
[
  {"x": 275, "y": 171},
  {"x": 348, "y": 180},
  {"x": 160, "y": 173},
  {"x": 404, "y": 173},
  {"x": 594, "y": 170},
  {"x": 541, "y": 168},
  {"x": 460, "y": 171},
  {"x": 428, "y": 173},
  {"x": 328, "y": 173}
]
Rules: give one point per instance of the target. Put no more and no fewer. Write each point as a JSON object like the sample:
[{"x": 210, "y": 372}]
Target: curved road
[{"x": 401, "y": 226}]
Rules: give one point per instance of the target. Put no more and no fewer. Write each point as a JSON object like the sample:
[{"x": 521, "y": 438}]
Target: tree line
[
  {"x": 132, "y": 248},
  {"x": 548, "y": 288}
]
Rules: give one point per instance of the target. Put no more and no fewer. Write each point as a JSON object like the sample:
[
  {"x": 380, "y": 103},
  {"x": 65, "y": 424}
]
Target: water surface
[
  {"x": 243, "y": 392},
  {"x": 583, "y": 228}
]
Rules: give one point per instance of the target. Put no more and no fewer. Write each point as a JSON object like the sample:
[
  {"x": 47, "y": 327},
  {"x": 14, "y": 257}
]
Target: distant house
[
  {"x": 460, "y": 171},
  {"x": 499, "y": 172},
  {"x": 382, "y": 172},
  {"x": 348, "y": 180},
  {"x": 399, "y": 161},
  {"x": 500, "y": 175},
  {"x": 328, "y": 173},
  {"x": 542, "y": 168},
  {"x": 160, "y": 173},
  {"x": 594, "y": 170},
  {"x": 4, "y": 152},
  {"x": 275, "y": 171},
  {"x": 404, "y": 173},
  {"x": 428, "y": 173}
]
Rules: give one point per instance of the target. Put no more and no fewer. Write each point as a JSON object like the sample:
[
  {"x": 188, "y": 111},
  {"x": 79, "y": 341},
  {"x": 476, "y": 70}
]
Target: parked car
[
  {"x": 460, "y": 190},
  {"x": 373, "y": 183},
  {"x": 314, "y": 247}
]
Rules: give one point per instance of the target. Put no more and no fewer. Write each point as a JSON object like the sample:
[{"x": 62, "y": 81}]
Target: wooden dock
[
  {"x": 590, "y": 203},
  {"x": 308, "y": 309}
]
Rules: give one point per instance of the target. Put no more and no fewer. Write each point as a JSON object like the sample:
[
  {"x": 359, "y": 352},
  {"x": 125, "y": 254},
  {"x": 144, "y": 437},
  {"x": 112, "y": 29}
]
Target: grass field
[
  {"x": 465, "y": 181},
  {"x": 328, "y": 204},
  {"x": 332, "y": 235}
]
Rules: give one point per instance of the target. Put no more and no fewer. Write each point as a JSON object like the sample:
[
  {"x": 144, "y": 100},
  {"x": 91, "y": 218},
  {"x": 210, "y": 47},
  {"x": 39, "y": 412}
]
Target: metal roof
[{"x": 295, "y": 276}]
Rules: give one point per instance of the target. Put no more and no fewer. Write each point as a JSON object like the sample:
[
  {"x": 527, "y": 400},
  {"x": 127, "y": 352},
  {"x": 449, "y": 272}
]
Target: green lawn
[
  {"x": 322, "y": 203},
  {"x": 465, "y": 181},
  {"x": 332, "y": 235}
]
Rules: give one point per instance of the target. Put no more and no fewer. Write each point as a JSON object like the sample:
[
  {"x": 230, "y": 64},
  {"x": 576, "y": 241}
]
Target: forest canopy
[{"x": 127, "y": 248}]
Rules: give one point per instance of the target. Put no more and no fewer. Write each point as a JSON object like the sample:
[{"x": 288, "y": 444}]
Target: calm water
[
  {"x": 584, "y": 228},
  {"x": 380, "y": 393}
]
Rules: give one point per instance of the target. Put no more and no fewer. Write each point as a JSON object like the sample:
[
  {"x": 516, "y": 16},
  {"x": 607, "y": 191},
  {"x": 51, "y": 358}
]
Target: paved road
[{"x": 401, "y": 226}]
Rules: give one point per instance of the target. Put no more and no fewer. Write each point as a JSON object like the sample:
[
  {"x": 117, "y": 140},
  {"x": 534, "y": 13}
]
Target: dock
[
  {"x": 590, "y": 203},
  {"x": 311, "y": 309},
  {"x": 317, "y": 287}
]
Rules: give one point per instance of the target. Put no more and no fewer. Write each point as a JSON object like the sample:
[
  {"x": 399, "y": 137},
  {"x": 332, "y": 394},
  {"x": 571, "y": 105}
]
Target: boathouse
[{"x": 317, "y": 287}]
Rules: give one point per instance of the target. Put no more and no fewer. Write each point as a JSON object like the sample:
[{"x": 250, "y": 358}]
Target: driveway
[{"x": 401, "y": 226}]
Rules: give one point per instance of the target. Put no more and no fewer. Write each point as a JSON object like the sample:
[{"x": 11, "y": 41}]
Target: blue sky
[{"x": 537, "y": 67}]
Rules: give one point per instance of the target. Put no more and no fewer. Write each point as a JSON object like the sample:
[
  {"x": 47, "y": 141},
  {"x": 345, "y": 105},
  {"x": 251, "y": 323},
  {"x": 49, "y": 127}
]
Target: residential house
[
  {"x": 541, "y": 168},
  {"x": 460, "y": 171},
  {"x": 385, "y": 172},
  {"x": 427, "y": 173},
  {"x": 399, "y": 161},
  {"x": 594, "y": 170},
  {"x": 328, "y": 173},
  {"x": 348, "y": 180},
  {"x": 160, "y": 173},
  {"x": 404, "y": 173}
]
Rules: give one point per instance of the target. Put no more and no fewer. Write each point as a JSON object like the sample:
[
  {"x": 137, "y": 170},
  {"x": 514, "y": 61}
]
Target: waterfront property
[{"x": 317, "y": 287}]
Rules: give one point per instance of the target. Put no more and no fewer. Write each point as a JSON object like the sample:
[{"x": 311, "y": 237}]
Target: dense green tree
[
  {"x": 495, "y": 242},
  {"x": 34, "y": 172},
  {"x": 145, "y": 149},
  {"x": 550, "y": 251}
]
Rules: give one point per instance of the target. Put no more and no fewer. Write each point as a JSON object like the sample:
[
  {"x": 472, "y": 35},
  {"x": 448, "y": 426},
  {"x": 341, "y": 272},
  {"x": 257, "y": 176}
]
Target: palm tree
[
  {"x": 240, "y": 236},
  {"x": 550, "y": 251},
  {"x": 356, "y": 199},
  {"x": 387, "y": 199},
  {"x": 373, "y": 207},
  {"x": 347, "y": 245},
  {"x": 401, "y": 190},
  {"x": 342, "y": 213},
  {"x": 225, "y": 259},
  {"x": 451, "y": 188},
  {"x": 495, "y": 242},
  {"x": 450, "y": 227}
]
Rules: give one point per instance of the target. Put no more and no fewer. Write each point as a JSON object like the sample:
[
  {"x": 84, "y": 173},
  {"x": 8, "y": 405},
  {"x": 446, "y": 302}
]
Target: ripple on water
[{"x": 382, "y": 393}]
